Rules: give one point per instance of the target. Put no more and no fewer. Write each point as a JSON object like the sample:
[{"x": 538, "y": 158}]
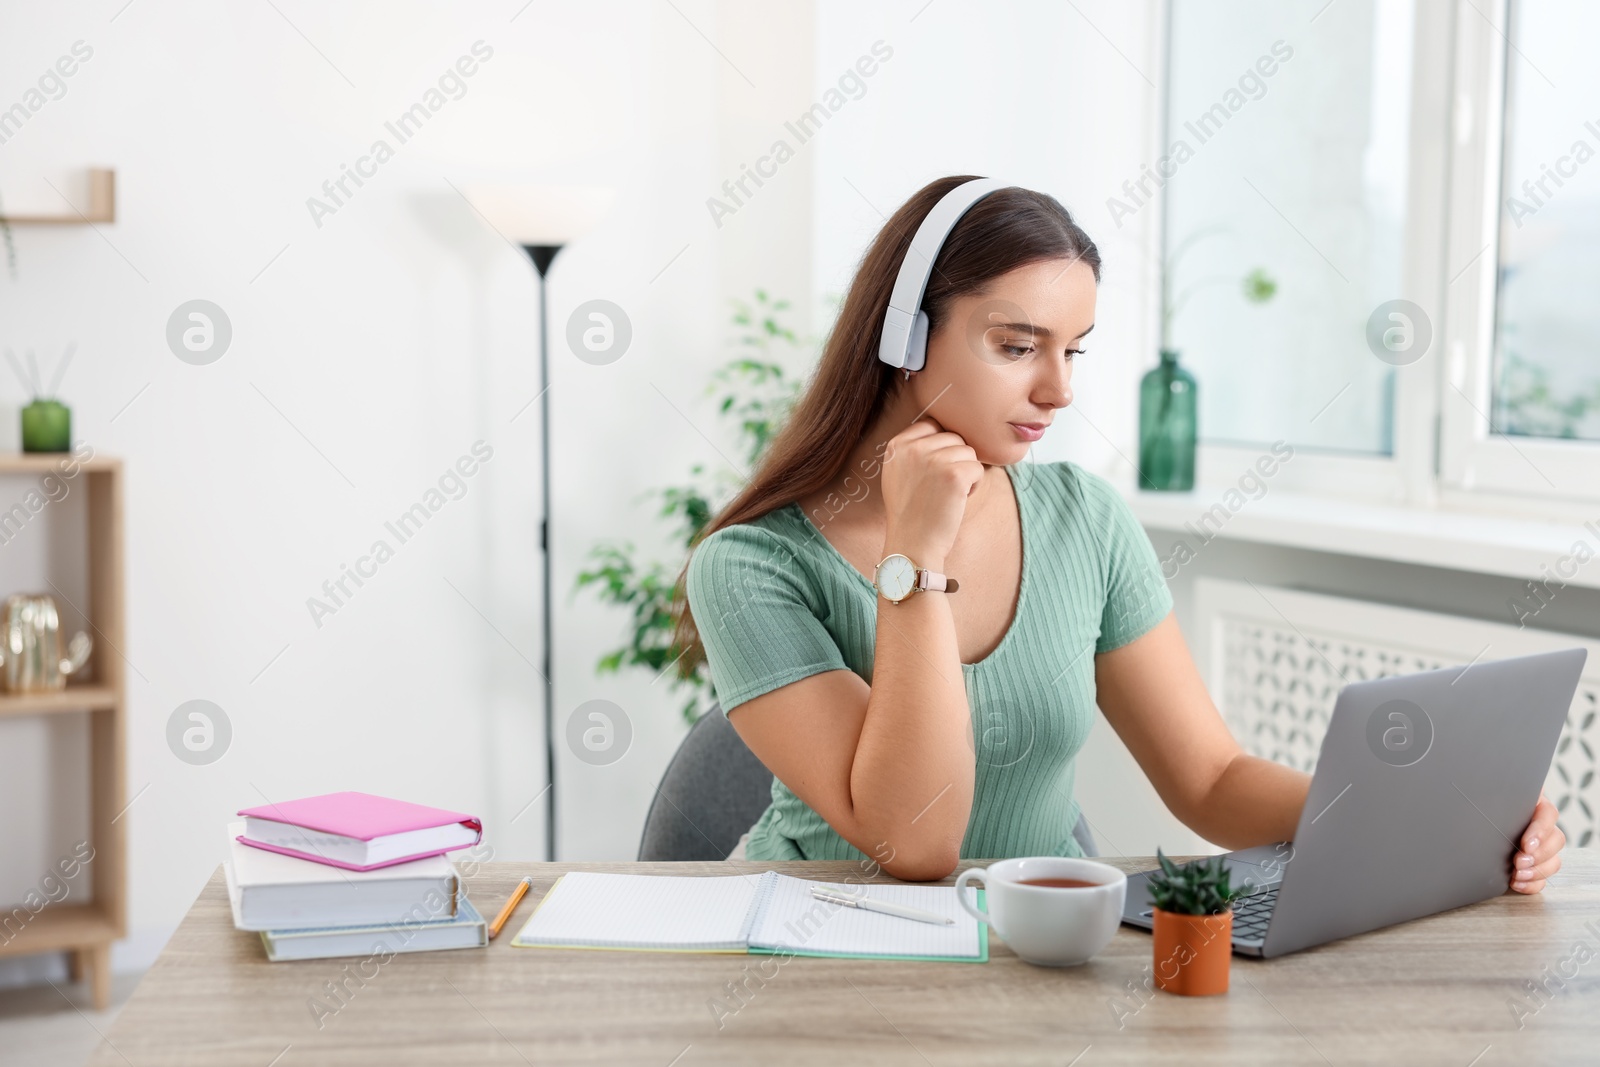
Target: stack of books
[{"x": 351, "y": 874}]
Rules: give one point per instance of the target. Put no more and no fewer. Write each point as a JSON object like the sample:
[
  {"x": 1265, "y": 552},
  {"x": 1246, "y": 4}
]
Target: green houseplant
[
  {"x": 1193, "y": 943},
  {"x": 756, "y": 394},
  {"x": 10, "y": 243}
]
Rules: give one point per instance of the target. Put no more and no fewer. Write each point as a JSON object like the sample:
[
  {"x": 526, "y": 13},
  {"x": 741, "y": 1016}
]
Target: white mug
[{"x": 1047, "y": 925}]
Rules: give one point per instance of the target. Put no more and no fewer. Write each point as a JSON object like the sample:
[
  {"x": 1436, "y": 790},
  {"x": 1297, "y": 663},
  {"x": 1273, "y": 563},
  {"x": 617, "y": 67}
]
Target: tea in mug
[{"x": 1058, "y": 883}]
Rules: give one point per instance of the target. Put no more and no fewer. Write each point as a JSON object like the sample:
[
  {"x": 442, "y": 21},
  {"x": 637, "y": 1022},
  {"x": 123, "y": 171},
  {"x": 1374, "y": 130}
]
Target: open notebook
[{"x": 770, "y": 913}]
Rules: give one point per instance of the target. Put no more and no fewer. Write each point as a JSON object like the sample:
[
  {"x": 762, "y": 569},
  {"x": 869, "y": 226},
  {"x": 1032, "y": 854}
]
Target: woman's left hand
[{"x": 1540, "y": 854}]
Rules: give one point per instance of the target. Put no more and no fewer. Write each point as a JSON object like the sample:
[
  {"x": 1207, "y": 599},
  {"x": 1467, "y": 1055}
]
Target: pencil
[{"x": 511, "y": 905}]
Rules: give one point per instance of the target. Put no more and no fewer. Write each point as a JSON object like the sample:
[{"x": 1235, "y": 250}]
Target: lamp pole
[{"x": 543, "y": 255}]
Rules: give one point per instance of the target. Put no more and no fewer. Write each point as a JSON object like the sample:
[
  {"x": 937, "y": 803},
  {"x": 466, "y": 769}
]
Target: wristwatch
[{"x": 897, "y": 578}]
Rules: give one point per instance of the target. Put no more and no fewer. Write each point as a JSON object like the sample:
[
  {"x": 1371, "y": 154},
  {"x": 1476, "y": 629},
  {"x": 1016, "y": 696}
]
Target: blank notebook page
[
  {"x": 600, "y": 910},
  {"x": 794, "y": 920}
]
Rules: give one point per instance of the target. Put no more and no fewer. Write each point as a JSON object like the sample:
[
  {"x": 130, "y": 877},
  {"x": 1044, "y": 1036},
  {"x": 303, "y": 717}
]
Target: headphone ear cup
[{"x": 917, "y": 348}]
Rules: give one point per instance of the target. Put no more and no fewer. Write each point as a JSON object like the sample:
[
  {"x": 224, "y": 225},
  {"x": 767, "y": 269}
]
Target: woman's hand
[
  {"x": 1540, "y": 855},
  {"x": 928, "y": 473}
]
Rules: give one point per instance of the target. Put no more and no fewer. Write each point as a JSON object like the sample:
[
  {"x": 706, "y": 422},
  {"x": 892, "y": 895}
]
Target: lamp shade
[{"x": 541, "y": 214}]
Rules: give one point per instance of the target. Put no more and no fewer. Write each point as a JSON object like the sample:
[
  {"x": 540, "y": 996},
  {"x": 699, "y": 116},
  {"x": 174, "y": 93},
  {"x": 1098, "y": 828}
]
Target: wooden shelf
[
  {"x": 102, "y": 204},
  {"x": 49, "y": 462},
  {"x": 86, "y": 930},
  {"x": 56, "y": 926},
  {"x": 72, "y": 698}
]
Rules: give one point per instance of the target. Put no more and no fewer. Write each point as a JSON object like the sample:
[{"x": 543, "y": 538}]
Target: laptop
[{"x": 1423, "y": 787}]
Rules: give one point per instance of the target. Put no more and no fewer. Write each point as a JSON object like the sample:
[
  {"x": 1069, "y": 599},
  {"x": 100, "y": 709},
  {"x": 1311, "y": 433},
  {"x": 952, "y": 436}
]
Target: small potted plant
[{"x": 1193, "y": 926}]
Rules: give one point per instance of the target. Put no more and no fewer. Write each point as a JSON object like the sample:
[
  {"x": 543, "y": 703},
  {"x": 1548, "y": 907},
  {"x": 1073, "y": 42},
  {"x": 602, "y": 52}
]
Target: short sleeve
[
  {"x": 1137, "y": 597},
  {"x": 754, "y": 610}
]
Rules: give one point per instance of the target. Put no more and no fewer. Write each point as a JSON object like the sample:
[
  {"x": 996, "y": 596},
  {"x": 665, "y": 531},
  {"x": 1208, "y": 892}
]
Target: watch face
[{"x": 896, "y": 577}]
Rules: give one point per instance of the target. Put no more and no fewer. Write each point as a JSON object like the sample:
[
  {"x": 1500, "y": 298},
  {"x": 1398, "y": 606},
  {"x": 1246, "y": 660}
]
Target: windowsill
[{"x": 1526, "y": 549}]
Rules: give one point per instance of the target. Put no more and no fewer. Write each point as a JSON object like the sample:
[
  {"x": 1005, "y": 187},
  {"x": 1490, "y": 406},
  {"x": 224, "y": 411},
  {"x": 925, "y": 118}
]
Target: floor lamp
[{"x": 541, "y": 220}]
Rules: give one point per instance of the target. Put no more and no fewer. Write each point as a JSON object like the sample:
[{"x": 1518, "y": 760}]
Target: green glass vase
[
  {"x": 46, "y": 427},
  {"x": 1167, "y": 427}
]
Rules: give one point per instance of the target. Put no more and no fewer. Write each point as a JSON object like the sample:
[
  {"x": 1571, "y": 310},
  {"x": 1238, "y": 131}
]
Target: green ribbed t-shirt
[{"x": 775, "y": 602}]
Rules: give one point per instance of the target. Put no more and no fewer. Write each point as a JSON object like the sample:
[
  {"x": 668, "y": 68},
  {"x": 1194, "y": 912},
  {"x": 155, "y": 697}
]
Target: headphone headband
[{"x": 905, "y": 324}]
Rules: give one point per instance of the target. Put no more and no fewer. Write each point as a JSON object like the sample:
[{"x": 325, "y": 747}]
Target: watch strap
[{"x": 925, "y": 580}]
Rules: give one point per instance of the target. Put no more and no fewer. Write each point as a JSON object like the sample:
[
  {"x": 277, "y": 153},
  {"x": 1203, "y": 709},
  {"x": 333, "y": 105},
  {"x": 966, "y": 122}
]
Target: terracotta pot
[{"x": 1193, "y": 952}]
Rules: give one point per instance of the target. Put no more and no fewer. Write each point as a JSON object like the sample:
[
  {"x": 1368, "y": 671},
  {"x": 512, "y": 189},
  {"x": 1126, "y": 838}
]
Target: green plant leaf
[
  {"x": 1259, "y": 286},
  {"x": 1200, "y": 887}
]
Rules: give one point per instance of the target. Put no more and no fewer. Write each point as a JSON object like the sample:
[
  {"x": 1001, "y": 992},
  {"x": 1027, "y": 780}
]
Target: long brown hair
[{"x": 1007, "y": 229}]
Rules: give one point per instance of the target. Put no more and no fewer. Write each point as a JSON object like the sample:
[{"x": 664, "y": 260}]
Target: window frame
[{"x": 1472, "y": 457}]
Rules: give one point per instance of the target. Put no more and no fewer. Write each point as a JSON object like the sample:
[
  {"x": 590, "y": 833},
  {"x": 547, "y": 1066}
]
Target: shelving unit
[{"x": 86, "y": 929}]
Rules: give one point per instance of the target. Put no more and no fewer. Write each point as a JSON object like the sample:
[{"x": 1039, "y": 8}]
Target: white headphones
[{"x": 905, "y": 324}]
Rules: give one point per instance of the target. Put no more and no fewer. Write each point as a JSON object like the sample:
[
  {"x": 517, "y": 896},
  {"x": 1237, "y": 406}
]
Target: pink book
[{"x": 357, "y": 831}]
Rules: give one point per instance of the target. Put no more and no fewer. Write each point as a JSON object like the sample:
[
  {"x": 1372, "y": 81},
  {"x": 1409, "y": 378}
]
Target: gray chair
[{"x": 715, "y": 789}]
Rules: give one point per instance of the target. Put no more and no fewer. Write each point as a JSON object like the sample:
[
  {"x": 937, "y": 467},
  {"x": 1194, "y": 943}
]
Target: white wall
[
  {"x": 368, "y": 354},
  {"x": 401, "y": 331},
  {"x": 661, "y": 420}
]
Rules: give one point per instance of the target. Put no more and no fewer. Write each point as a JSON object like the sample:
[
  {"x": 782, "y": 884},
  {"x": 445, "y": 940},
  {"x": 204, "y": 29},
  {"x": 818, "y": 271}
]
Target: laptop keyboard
[{"x": 1251, "y": 913}]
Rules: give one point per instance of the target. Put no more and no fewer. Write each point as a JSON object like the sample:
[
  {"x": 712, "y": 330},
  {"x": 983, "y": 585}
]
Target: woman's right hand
[{"x": 928, "y": 473}]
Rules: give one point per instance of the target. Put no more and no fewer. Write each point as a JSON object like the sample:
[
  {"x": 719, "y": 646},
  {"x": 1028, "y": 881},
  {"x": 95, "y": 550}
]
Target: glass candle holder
[{"x": 46, "y": 427}]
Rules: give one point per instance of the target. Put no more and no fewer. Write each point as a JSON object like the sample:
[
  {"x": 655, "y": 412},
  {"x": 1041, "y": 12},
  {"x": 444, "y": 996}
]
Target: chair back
[{"x": 715, "y": 789}]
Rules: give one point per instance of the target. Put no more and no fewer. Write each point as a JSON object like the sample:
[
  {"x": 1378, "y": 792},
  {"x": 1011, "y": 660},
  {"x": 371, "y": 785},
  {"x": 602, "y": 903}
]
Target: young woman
[{"x": 944, "y": 725}]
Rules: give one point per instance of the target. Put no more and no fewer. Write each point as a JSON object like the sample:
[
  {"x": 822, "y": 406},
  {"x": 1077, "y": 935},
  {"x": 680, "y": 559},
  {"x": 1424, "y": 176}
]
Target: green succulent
[{"x": 1197, "y": 888}]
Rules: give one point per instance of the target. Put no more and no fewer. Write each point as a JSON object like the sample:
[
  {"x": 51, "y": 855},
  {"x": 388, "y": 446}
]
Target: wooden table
[{"x": 1438, "y": 990}]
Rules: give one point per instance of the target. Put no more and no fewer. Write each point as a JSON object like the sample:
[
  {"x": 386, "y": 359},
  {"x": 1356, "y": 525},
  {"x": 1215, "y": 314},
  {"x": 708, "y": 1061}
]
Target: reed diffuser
[{"x": 46, "y": 422}]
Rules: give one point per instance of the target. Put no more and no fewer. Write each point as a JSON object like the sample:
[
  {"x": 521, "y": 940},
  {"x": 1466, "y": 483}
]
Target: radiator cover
[{"x": 1275, "y": 659}]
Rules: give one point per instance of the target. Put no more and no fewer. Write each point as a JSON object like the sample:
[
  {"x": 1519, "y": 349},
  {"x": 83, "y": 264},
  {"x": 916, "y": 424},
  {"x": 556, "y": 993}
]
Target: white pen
[{"x": 833, "y": 896}]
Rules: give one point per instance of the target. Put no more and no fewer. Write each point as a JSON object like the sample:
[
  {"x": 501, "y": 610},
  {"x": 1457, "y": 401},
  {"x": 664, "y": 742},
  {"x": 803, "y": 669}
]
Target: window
[
  {"x": 1546, "y": 368},
  {"x": 1521, "y": 404},
  {"x": 1445, "y": 153},
  {"x": 1318, "y": 206}
]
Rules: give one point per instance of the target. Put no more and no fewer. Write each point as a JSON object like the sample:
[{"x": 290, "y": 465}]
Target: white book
[
  {"x": 767, "y": 913},
  {"x": 467, "y": 929},
  {"x": 275, "y": 891}
]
